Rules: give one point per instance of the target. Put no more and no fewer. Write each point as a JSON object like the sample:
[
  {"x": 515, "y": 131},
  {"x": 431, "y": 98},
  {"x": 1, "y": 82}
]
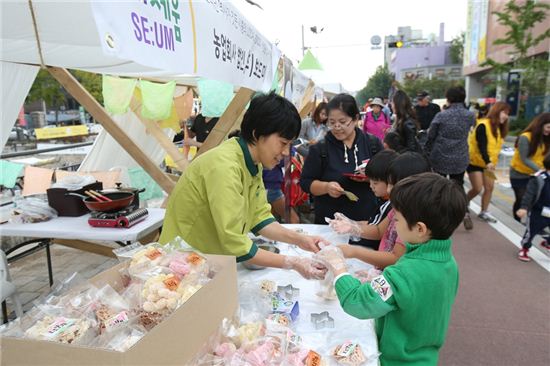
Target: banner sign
[
  {"x": 208, "y": 38},
  {"x": 58, "y": 132}
]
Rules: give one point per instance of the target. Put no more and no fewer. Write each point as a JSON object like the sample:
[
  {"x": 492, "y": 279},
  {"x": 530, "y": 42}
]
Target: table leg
[
  {"x": 49, "y": 259},
  {"x": 5, "y": 311}
]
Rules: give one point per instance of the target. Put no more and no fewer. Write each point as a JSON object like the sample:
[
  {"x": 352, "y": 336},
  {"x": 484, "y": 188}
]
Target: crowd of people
[{"x": 393, "y": 181}]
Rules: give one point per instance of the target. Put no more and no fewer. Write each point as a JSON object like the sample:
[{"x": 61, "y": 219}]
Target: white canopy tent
[{"x": 33, "y": 33}]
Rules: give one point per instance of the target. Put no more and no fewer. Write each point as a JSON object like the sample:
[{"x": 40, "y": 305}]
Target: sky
[{"x": 343, "y": 47}]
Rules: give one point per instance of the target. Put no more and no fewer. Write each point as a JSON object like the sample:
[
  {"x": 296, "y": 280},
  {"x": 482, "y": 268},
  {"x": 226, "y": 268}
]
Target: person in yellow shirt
[
  {"x": 531, "y": 147},
  {"x": 221, "y": 196},
  {"x": 485, "y": 142}
]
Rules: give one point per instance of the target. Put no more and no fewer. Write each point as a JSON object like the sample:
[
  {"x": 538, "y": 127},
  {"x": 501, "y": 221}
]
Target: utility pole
[{"x": 303, "y": 43}]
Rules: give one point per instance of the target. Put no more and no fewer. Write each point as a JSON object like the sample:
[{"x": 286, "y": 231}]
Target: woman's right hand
[
  {"x": 334, "y": 189},
  {"x": 490, "y": 166}
]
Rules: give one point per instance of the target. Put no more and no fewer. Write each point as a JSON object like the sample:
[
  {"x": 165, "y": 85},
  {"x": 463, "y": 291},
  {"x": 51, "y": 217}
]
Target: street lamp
[{"x": 313, "y": 29}]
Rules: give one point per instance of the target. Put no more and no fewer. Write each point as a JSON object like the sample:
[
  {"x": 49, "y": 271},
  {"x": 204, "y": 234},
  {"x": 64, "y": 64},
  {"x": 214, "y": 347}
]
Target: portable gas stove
[{"x": 120, "y": 219}]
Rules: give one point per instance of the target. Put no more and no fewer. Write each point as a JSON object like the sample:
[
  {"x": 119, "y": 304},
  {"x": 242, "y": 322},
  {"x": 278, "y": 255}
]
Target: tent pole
[
  {"x": 153, "y": 128},
  {"x": 227, "y": 120},
  {"x": 98, "y": 112}
]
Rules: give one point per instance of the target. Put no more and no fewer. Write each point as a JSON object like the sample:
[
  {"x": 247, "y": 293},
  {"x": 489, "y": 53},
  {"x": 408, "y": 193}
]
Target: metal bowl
[{"x": 269, "y": 248}]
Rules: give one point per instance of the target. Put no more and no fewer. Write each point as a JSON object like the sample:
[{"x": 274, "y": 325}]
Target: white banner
[{"x": 208, "y": 38}]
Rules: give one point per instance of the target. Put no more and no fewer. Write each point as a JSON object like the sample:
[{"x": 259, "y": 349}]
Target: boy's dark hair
[
  {"x": 377, "y": 167},
  {"x": 405, "y": 165},
  {"x": 429, "y": 198},
  {"x": 346, "y": 103},
  {"x": 546, "y": 161},
  {"x": 269, "y": 114},
  {"x": 456, "y": 94}
]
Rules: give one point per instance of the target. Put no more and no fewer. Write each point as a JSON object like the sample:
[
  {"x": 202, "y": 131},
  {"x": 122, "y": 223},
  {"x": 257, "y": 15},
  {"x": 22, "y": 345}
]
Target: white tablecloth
[
  {"x": 78, "y": 228},
  {"x": 346, "y": 326}
]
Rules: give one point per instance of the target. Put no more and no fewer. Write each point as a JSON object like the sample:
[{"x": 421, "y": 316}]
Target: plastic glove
[
  {"x": 307, "y": 267},
  {"x": 343, "y": 225},
  {"x": 333, "y": 258}
]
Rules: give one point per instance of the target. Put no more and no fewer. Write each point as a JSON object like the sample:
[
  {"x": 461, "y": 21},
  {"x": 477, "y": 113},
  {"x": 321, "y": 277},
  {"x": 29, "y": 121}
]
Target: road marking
[{"x": 534, "y": 252}]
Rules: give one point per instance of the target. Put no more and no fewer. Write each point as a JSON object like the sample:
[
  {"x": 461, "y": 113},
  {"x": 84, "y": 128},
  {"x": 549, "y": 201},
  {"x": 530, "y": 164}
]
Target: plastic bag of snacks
[
  {"x": 111, "y": 310},
  {"x": 31, "y": 209}
]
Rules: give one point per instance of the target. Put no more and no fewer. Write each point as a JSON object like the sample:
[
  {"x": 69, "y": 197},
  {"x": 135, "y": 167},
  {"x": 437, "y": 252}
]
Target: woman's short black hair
[
  {"x": 377, "y": 167},
  {"x": 407, "y": 164},
  {"x": 432, "y": 199},
  {"x": 269, "y": 114},
  {"x": 456, "y": 94},
  {"x": 346, "y": 103}
]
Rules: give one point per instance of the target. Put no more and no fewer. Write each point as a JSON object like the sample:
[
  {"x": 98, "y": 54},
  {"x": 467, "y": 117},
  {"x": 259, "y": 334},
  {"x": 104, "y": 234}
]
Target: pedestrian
[
  {"x": 342, "y": 152},
  {"x": 485, "y": 142},
  {"x": 425, "y": 110},
  {"x": 406, "y": 125},
  {"x": 220, "y": 197},
  {"x": 447, "y": 143},
  {"x": 411, "y": 301},
  {"x": 536, "y": 206},
  {"x": 376, "y": 122},
  {"x": 530, "y": 148},
  {"x": 315, "y": 128}
]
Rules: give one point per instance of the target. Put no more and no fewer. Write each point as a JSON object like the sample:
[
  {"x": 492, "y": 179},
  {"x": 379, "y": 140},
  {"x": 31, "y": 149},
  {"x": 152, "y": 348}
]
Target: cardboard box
[{"x": 175, "y": 341}]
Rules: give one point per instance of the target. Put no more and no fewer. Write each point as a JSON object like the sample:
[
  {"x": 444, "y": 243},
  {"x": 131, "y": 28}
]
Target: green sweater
[{"x": 411, "y": 300}]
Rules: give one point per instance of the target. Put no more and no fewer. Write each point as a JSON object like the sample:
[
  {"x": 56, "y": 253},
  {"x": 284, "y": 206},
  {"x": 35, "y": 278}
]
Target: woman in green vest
[
  {"x": 531, "y": 147},
  {"x": 221, "y": 197},
  {"x": 485, "y": 142}
]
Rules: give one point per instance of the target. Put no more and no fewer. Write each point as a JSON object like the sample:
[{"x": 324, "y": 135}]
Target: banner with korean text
[{"x": 208, "y": 38}]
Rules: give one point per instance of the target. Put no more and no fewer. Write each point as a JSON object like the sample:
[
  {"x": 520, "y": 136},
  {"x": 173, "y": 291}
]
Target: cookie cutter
[
  {"x": 288, "y": 292},
  {"x": 322, "y": 320}
]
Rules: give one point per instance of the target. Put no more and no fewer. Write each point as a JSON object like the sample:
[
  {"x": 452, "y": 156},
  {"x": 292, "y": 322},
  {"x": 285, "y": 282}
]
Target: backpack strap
[{"x": 323, "y": 153}]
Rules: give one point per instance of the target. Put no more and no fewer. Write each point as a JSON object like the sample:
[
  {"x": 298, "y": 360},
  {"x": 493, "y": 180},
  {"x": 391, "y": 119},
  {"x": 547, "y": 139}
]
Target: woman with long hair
[
  {"x": 315, "y": 128},
  {"x": 485, "y": 142},
  {"x": 406, "y": 125},
  {"x": 530, "y": 148}
]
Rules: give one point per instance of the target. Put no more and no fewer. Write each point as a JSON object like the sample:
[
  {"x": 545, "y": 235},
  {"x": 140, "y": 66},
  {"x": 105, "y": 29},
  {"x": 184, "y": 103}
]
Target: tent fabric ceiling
[{"x": 70, "y": 42}]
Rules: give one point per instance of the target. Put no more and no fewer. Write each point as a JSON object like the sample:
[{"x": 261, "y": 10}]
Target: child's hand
[
  {"x": 343, "y": 225},
  {"x": 333, "y": 258},
  {"x": 521, "y": 213},
  {"x": 347, "y": 250}
]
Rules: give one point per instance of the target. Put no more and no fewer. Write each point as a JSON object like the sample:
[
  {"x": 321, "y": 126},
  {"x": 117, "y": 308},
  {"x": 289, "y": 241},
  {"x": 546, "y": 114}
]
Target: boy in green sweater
[{"x": 412, "y": 299}]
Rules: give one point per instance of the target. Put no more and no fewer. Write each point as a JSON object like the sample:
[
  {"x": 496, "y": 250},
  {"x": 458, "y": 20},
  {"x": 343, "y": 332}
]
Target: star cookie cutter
[
  {"x": 288, "y": 292},
  {"x": 322, "y": 320}
]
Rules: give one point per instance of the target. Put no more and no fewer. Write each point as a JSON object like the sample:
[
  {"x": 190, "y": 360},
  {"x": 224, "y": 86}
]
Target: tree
[
  {"x": 457, "y": 48},
  {"x": 377, "y": 86},
  {"x": 435, "y": 86},
  {"x": 520, "y": 20}
]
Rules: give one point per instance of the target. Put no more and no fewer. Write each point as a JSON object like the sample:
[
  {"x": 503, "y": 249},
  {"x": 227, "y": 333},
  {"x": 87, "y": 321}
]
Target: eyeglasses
[{"x": 338, "y": 124}]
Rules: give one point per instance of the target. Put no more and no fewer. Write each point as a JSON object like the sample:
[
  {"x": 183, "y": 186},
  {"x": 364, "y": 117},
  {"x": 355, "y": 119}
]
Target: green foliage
[
  {"x": 47, "y": 88},
  {"x": 457, "y": 48},
  {"x": 91, "y": 82},
  {"x": 435, "y": 86},
  {"x": 519, "y": 20},
  {"x": 377, "y": 86}
]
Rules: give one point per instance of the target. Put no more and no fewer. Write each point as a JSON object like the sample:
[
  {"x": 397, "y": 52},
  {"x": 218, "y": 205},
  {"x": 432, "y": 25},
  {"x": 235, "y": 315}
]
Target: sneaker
[
  {"x": 545, "y": 245},
  {"x": 468, "y": 224},
  {"x": 523, "y": 255},
  {"x": 487, "y": 217}
]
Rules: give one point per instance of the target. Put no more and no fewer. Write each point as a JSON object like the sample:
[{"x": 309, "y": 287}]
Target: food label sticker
[
  {"x": 346, "y": 349},
  {"x": 382, "y": 287},
  {"x": 58, "y": 327},
  {"x": 118, "y": 319},
  {"x": 171, "y": 283},
  {"x": 153, "y": 254}
]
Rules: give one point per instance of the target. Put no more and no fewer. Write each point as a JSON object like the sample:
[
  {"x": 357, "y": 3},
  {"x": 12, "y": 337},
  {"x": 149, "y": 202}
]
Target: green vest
[{"x": 218, "y": 201}]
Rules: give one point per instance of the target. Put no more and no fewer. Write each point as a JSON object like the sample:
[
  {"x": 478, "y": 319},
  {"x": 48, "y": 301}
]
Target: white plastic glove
[
  {"x": 309, "y": 269},
  {"x": 333, "y": 258},
  {"x": 343, "y": 225}
]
